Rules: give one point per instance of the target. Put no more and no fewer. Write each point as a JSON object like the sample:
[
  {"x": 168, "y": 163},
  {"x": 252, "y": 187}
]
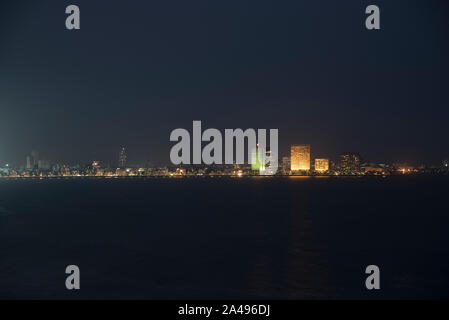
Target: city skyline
[
  {"x": 32, "y": 159},
  {"x": 299, "y": 160},
  {"x": 76, "y": 96}
]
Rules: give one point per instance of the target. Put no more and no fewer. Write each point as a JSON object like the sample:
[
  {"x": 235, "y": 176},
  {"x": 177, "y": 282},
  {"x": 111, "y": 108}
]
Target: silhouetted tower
[
  {"x": 28, "y": 163},
  {"x": 122, "y": 158},
  {"x": 35, "y": 158}
]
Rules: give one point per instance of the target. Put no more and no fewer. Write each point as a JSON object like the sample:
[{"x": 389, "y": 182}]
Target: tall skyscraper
[
  {"x": 300, "y": 157},
  {"x": 122, "y": 158},
  {"x": 349, "y": 163},
  {"x": 28, "y": 164},
  {"x": 35, "y": 158},
  {"x": 321, "y": 165},
  {"x": 262, "y": 161},
  {"x": 258, "y": 159},
  {"x": 271, "y": 164}
]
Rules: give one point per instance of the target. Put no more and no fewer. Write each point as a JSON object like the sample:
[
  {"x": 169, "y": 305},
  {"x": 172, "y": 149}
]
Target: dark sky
[{"x": 139, "y": 69}]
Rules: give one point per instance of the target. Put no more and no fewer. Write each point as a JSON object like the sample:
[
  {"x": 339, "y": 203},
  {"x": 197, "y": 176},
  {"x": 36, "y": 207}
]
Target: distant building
[
  {"x": 35, "y": 158},
  {"x": 263, "y": 162},
  {"x": 321, "y": 165},
  {"x": 300, "y": 157},
  {"x": 349, "y": 163},
  {"x": 44, "y": 165},
  {"x": 121, "y": 172},
  {"x": 271, "y": 164},
  {"x": 122, "y": 158},
  {"x": 96, "y": 164},
  {"x": 258, "y": 159},
  {"x": 28, "y": 163},
  {"x": 286, "y": 164},
  {"x": 373, "y": 169},
  {"x": 332, "y": 165}
]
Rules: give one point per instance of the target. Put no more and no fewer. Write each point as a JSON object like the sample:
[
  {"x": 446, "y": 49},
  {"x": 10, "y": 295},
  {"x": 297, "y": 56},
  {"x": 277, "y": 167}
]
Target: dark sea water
[{"x": 207, "y": 238}]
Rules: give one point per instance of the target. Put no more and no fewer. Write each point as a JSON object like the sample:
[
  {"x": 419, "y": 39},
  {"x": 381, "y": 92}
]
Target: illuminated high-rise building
[
  {"x": 271, "y": 164},
  {"x": 122, "y": 158},
  {"x": 258, "y": 159},
  {"x": 321, "y": 165},
  {"x": 349, "y": 163},
  {"x": 300, "y": 157}
]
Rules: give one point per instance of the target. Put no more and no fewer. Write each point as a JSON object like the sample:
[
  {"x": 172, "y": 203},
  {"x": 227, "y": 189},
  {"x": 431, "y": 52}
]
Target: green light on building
[{"x": 258, "y": 159}]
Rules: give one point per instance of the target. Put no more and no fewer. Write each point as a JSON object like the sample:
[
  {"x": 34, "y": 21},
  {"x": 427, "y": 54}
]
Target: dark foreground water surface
[{"x": 160, "y": 238}]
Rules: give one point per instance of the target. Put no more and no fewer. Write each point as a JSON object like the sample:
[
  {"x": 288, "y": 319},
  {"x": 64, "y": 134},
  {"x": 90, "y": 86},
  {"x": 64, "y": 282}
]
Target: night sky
[{"x": 139, "y": 69}]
